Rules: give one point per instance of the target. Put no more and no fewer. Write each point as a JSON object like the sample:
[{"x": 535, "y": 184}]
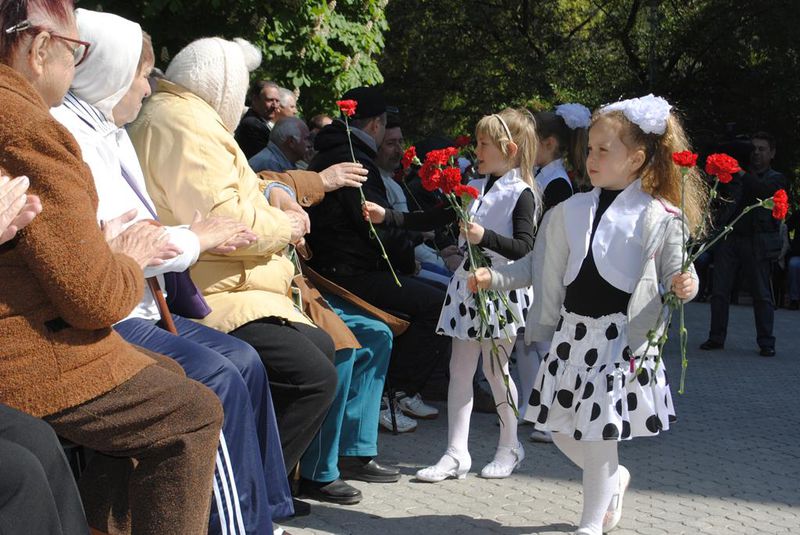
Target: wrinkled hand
[
  {"x": 243, "y": 239},
  {"x": 215, "y": 231},
  {"x": 301, "y": 225},
  {"x": 346, "y": 174},
  {"x": 683, "y": 285},
  {"x": 113, "y": 227},
  {"x": 453, "y": 261},
  {"x": 146, "y": 242},
  {"x": 480, "y": 280},
  {"x": 373, "y": 212},
  {"x": 16, "y": 208},
  {"x": 473, "y": 232}
]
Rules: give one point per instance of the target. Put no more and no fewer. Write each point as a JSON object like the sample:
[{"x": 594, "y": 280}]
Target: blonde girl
[
  {"x": 503, "y": 225},
  {"x": 609, "y": 252}
]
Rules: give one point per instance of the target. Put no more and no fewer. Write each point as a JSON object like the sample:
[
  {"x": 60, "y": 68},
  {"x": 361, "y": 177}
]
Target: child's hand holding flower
[
  {"x": 481, "y": 279},
  {"x": 373, "y": 212},
  {"x": 683, "y": 285},
  {"x": 473, "y": 232}
]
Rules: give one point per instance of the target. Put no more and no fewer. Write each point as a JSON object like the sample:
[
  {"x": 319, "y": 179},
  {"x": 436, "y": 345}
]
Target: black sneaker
[{"x": 767, "y": 352}]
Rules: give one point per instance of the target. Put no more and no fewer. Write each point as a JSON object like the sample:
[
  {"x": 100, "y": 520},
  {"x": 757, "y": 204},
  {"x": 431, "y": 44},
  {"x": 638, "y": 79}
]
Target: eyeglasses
[{"x": 79, "y": 52}]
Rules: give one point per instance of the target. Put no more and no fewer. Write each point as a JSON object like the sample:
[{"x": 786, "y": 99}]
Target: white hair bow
[
  {"x": 650, "y": 113},
  {"x": 575, "y": 115}
]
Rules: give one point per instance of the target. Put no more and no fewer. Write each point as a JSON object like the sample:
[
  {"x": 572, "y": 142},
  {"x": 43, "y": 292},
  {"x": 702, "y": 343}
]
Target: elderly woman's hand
[
  {"x": 345, "y": 174},
  {"x": 221, "y": 234},
  {"x": 16, "y": 208},
  {"x": 146, "y": 242},
  {"x": 301, "y": 224}
]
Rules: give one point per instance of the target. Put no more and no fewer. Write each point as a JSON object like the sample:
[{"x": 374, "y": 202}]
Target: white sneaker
[
  {"x": 541, "y": 436},
  {"x": 506, "y": 460},
  {"x": 414, "y": 406},
  {"x": 404, "y": 423}
]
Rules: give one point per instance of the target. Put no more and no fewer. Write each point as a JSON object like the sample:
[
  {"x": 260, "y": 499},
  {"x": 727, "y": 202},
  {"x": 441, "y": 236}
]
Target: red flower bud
[
  {"x": 347, "y": 107},
  {"x": 780, "y": 204}
]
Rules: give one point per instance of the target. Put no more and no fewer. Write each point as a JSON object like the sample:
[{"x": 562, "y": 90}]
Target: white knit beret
[{"x": 218, "y": 71}]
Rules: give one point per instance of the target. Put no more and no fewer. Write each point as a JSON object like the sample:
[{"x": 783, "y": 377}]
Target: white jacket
[{"x": 661, "y": 261}]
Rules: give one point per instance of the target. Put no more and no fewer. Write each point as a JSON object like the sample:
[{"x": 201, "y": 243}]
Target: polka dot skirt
[
  {"x": 585, "y": 388},
  {"x": 460, "y": 319}
]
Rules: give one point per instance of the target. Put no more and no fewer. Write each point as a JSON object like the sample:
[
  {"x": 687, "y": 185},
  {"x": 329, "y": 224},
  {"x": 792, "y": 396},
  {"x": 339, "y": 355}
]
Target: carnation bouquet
[
  {"x": 722, "y": 168},
  {"x": 440, "y": 172}
]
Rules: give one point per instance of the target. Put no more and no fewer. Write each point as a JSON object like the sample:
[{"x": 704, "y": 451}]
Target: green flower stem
[{"x": 372, "y": 232}]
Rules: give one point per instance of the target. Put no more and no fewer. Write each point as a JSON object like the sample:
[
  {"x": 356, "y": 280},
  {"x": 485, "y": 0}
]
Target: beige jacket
[{"x": 192, "y": 162}]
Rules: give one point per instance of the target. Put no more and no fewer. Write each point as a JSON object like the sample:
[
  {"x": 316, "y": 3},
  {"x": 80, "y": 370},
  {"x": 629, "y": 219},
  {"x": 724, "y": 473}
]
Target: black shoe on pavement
[
  {"x": 367, "y": 469},
  {"x": 336, "y": 491},
  {"x": 711, "y": 344},
  {"x": 300, "y": 508},
  {"x": 767, "y": 352}
]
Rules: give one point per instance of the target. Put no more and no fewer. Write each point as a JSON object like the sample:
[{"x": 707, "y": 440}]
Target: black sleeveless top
[{"x": 590, "y": 294}]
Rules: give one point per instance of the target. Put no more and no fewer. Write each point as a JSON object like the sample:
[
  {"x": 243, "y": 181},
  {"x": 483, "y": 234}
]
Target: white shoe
[
  {"x": 614, "y": 513},
  {"x": 414, "y": 406},
  {"x": 541, "y": 436},
  {"x": 404, "y": 423},
  {"x": 448, "y": 466},
  {"x": 506, "y": 460}
]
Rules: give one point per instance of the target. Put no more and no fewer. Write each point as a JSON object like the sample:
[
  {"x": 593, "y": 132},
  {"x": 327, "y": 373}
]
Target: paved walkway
[{"x": 731, "y": 464}]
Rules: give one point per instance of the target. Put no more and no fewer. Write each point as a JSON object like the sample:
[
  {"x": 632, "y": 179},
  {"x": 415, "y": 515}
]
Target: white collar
[{"x": 552, "y": 171}]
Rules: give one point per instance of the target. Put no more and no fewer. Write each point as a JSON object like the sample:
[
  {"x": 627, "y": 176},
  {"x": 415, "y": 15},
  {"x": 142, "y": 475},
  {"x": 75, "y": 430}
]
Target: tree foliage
[
  {"x": 320, "y": 48},
  {"x": 722, "y": 62}
]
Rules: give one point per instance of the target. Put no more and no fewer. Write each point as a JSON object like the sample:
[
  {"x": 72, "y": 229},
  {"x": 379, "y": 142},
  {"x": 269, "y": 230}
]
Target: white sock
[
  {"x": 527, "y": 367},
  {"x": 494, "y": 373},
  {"x": 463, "y": 363},
  {"x": 600, "y": 463}
]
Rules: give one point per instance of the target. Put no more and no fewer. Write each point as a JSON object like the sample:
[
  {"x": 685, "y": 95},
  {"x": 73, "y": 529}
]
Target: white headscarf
[
  {"x": 108, "y": 71},
  {"x": 218, "y": 71}
]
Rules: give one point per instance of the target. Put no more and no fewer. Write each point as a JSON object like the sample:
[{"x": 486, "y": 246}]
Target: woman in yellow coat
[{"x": 191, "y": 161}]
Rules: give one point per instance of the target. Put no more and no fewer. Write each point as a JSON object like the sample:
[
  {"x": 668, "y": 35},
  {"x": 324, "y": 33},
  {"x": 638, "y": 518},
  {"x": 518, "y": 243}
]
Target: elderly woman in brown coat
[{"x": 62, "y": 286}]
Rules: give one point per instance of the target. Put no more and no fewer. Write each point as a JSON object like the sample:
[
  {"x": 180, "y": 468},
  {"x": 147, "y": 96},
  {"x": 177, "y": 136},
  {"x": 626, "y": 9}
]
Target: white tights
[
  {"x": 528, "y": 360},
  {"x": 600, "y": 463},
  {"x": 463, "y": 363}
]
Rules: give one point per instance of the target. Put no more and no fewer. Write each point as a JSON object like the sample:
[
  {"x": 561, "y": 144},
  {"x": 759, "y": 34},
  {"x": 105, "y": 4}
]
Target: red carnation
[
  {"x": 348, "y": 107},
  {"x": 451, "y": 177},
  {"x": 462, "y": 190},
  {"x": 722, "y": 166},
  {"x": 780, "y": 202},
  {"x": 409, "y": 156},
  {"x": 462, "y": 141},
  {"x": 685, "y": 158},
  {"x": 431, "y": 176}
]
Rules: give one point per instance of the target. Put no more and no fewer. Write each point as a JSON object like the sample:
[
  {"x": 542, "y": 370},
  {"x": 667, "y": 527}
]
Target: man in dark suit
[{"x": 753, "y": 245}]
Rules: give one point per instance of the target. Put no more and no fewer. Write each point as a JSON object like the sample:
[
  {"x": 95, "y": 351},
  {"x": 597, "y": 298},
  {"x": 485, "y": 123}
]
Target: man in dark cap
[{"x": 344, "y": 251}]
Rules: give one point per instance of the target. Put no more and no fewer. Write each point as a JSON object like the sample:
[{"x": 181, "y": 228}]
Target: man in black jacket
[
  {"x": 252, "y": 134},
  {"x": 753, "y": 245},
  {"x": 344, "y": 251}
]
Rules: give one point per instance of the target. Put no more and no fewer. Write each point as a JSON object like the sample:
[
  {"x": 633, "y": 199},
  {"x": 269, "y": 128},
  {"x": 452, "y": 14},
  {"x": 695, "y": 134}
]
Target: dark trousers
[
  {"x": 156, "y": 436},
  {"x": 37, "y": 491},
  {"x": 302, "y": 377},
  {"x": 731, "y": 254},
  {"x": 250, "y": 461},
  {"x": 416, "y": 353}
]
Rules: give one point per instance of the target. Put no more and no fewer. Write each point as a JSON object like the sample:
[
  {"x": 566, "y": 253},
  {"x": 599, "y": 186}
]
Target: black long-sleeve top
[
  {"x": 513, "y": 248},
  {"x": 590, "y": 294}
]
